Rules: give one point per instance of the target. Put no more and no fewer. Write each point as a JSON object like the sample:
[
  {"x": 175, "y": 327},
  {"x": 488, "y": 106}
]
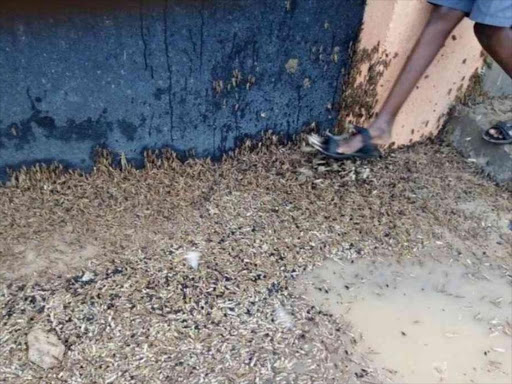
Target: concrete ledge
[
  {"x": 465, "y": 133},
  {"x": 496, "y": 81}
]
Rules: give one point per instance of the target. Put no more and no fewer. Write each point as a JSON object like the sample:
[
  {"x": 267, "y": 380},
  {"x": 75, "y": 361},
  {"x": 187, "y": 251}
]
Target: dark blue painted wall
[{"x": 190, "y": 75}]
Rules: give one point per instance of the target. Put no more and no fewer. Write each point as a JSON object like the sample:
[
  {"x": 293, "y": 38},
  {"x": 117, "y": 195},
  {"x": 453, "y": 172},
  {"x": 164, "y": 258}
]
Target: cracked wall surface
[{"x": 196, "y": 76}]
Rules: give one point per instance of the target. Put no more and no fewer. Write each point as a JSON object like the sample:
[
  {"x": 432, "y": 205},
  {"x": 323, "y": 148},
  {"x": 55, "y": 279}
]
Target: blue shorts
[{"x": 491, "y": 12}]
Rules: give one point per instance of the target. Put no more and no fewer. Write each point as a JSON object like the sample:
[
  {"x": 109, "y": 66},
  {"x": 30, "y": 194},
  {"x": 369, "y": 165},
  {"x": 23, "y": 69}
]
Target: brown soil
[{"x": 259, "y": 219}]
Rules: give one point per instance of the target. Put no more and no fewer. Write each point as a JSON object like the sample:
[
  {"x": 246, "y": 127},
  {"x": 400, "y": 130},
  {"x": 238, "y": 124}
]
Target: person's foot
[
  {"x": 380, "y": 133},
  {"x": 501, "y": 133}
]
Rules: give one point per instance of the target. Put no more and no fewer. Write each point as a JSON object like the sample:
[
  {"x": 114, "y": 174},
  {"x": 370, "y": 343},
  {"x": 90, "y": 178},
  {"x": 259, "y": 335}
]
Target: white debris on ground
[
  {"x": 87, "y": 277},
  {"x": 192, "y": 259},
  {"x": 283, "y": 318}
]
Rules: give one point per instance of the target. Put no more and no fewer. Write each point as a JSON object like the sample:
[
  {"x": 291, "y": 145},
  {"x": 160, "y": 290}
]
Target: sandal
[
  {"x": 329, "y": 147},
  {"x": 500, "y": 133}
]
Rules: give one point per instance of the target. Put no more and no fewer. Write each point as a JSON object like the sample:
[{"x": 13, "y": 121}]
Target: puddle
[{"x": 426, "y": 323}]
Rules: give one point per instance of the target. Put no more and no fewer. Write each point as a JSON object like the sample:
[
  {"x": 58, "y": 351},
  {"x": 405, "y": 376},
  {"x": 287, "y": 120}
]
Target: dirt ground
[{"x": 98, "y": 260}]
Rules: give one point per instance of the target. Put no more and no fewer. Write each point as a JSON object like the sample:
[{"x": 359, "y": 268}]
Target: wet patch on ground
[
  {"x": 440, "y": 314},
  {"x": 423, "y": 322}
]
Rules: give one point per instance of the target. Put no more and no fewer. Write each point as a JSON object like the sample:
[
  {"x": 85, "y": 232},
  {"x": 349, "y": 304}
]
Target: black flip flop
[
  {"x": 330, "y": 146},
  {"x": 503, "y": 136}
]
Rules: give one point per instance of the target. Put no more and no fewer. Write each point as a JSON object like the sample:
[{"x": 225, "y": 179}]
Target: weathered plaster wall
[
  {"x": 390, "y": 29},
  {"x": 191, "y": 75}
]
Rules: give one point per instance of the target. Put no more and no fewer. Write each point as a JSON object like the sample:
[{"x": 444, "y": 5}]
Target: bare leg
[
  {"x": 441, "y": 23},
  {"x": 497, "y": 41}
]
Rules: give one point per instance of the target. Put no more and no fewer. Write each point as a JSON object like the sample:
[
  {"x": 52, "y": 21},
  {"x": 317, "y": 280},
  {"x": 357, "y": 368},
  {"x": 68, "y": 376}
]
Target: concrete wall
[
  {"x": 390, "y": 29},
  {"x": 495, "y": 81},
  {"x": 192, "y": 75}
]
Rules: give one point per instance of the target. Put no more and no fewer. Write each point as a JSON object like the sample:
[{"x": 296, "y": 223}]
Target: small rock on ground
[{"x": 44, "y": 349}]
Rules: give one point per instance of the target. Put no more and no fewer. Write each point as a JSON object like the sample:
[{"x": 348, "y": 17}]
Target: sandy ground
[
  {"x": 99, "y": 261},
  {"x": 442, "y": 316}
]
